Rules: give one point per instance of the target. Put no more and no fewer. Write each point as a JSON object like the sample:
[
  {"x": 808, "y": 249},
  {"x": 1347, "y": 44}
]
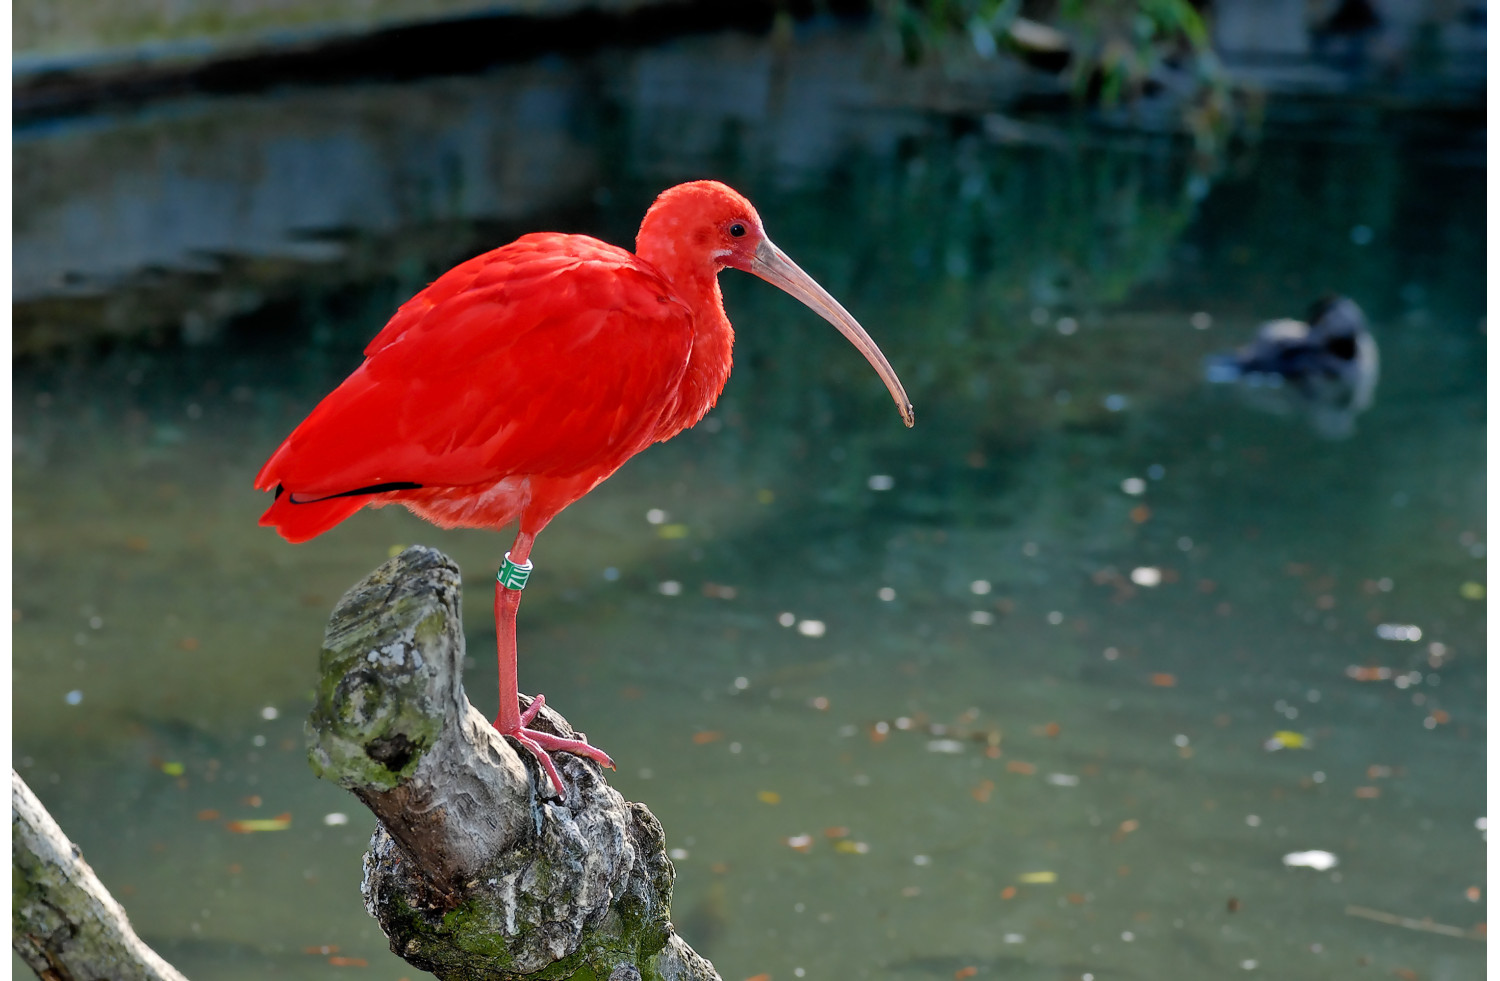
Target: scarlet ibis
[{"x": 519, "y": 380}]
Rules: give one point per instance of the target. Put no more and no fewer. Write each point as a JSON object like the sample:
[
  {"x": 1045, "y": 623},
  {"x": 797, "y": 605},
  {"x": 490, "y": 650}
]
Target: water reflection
[{"x": 747, "y": 614}]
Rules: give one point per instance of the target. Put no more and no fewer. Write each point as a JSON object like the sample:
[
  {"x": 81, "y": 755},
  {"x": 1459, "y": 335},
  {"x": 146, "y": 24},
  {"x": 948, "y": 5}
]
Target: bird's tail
[{"x": 300, "y": 521}]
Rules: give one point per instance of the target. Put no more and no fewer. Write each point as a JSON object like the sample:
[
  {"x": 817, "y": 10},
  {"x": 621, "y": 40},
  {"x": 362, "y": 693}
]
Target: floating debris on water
[
  {"x": 279, "y": 823},
  {"x": 1409, "y": 632},
  {"x": 847, "y": 847},
  {"x": 335, "y": 818},
  {"x": 1320, "y": 861},
  {"x": 945, "y": 746},
  {"x": 1286, "y": 739},
  {"x": 1062, "y": 779},
  {"x": 1037, "y": 878},
  {"x": 799, "y": 843},
  {"x": 1148, "y": 576},
  {"x": 1425, "y": 925},
  {"x": 812, "y": 628}
]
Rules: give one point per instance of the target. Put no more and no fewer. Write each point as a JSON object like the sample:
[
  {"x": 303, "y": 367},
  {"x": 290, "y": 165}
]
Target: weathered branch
[
  {"x": 470, "y": 873},
  {"x": 64, "y": 923}
]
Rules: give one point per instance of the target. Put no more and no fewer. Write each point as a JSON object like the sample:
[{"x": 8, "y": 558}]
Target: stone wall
[{"x": 75, "y": 34}]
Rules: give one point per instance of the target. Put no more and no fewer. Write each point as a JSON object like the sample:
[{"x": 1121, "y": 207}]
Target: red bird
[{"x": 521, "y": 379}]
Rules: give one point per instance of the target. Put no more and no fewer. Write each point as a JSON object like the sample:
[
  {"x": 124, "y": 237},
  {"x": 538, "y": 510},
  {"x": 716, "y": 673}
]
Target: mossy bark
[
  {"x": 471, "y": 873},
  {"x": 64, "y": 924}
]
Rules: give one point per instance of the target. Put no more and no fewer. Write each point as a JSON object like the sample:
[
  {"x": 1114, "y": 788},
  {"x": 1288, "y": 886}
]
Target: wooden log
[
  {"x": 64, "y": 924},
  {"x": 472, "y": 873}
]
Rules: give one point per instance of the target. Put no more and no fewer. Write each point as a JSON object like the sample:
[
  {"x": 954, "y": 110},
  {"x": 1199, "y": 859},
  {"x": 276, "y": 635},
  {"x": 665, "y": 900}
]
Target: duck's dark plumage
[{"x": 1330, "y": 360}]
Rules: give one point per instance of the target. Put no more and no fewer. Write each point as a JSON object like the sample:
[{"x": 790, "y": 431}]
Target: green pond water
[{"x": 1007, "y": 679}]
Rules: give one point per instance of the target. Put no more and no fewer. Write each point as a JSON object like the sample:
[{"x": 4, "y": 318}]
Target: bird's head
[{"x": 700, "y": 228}]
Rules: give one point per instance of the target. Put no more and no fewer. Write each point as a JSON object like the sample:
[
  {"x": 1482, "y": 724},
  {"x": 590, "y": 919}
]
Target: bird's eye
[{"x": 737, "y": 230}]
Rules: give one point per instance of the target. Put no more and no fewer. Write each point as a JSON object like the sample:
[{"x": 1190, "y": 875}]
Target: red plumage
[
  {"x": 553, "y": 358},
  {"x": 520, "y": 379}
]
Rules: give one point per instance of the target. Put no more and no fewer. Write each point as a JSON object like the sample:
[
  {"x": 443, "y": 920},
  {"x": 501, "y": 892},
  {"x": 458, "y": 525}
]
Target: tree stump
[{"x": 472, "y": 873}]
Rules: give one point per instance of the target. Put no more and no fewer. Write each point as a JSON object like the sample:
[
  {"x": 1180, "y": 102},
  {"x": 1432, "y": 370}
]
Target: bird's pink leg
[{"x": 511, "y": 721}]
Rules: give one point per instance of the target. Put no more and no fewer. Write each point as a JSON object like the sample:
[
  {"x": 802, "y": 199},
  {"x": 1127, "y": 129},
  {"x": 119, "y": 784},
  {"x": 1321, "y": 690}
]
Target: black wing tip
[{"x": 392, "y": 485}]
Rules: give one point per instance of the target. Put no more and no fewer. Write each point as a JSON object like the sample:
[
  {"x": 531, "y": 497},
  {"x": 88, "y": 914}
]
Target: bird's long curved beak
[{"x": 772, "y": 265}]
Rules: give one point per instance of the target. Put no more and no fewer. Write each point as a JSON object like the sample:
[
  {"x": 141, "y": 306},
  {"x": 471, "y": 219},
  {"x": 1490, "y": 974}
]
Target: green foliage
[
  {"x": 1116, "y": 52},
  {"x": 928, "y": 27}
]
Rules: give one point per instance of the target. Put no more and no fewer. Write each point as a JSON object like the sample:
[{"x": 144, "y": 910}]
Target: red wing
[{"x": 550, "y": 356}]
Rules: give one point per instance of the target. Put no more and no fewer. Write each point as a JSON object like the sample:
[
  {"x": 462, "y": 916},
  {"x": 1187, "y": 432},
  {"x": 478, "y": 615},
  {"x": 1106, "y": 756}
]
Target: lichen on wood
[
  {"x": 64, "y": 924},
  {"x": 473, "y": 874}
]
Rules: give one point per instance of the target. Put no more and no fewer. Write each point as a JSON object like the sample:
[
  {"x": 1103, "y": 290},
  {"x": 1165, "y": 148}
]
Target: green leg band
[{"x": 513, "y": 576}]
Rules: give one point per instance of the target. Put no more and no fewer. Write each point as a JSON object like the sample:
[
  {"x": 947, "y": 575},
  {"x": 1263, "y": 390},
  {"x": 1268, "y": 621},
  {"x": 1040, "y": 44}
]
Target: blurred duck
[{"x": 1326, "y": 368}]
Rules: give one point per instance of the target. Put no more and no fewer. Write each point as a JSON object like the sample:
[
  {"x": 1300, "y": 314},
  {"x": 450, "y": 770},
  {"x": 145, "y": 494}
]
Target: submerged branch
[{"x": 470, "y": 873}]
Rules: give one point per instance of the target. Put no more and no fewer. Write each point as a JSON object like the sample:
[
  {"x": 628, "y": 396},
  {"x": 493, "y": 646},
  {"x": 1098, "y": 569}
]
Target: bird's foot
[{"x": 539, "y": 744}]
